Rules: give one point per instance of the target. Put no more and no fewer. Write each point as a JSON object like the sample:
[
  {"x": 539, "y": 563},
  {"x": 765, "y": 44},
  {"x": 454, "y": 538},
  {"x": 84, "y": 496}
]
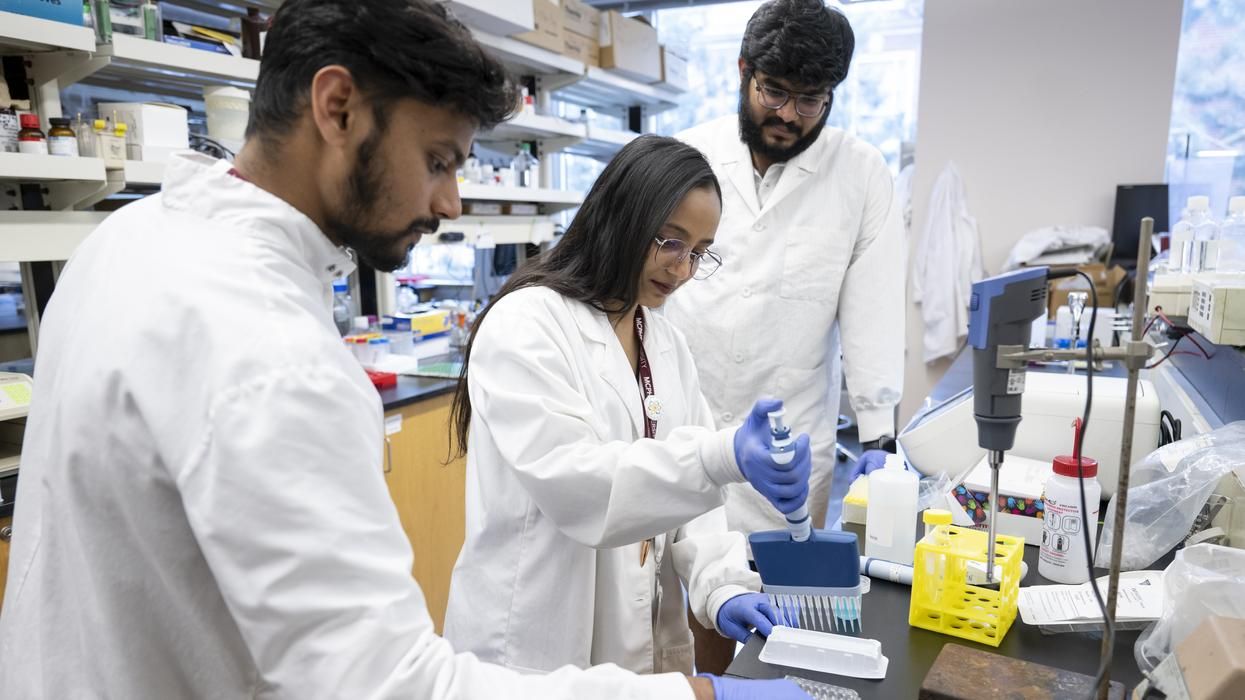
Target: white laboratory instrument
[
  {"x": 942, "y": 438},
  {"x": 1217, "y": 308},
  {"x": 1171, "y": 291}
]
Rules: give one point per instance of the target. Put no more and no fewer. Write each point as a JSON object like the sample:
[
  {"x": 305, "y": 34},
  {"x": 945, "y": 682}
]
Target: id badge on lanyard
[{"x": 651, "y": 404}]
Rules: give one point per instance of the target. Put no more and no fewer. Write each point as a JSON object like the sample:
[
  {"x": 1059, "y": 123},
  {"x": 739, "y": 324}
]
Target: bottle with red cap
[
  {"x": 31, "y": 139},
  {"x": 1063, "y": 557}
]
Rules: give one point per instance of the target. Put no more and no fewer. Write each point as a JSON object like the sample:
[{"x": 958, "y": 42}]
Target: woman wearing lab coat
[{"x": 595, "y": 474}]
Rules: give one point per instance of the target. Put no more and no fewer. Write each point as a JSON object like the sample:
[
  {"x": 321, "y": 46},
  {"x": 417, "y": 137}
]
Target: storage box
[
  {"x": 1021, "y": 508},
  {"x": 578, "y": 17},
  {"x": 548, "y": 22},
  {"x": 67, "y": 11},
  {"x": 159, "y": 130},
  {"x": 500, "y": 17},
  {"x": 581, "y": 48},
  {"x": 629, "y": 47},
  {"x": 673, "y": 70},
  {"x": 1105, "y": 281}
]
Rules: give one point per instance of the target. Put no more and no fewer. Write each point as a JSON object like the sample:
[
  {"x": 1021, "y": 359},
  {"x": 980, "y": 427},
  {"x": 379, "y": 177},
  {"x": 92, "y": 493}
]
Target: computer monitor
[{"x": 1132, "y": 202}]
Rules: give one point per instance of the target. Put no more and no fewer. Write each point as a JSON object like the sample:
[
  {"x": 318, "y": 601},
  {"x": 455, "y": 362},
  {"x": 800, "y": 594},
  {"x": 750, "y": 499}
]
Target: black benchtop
[
  {"x": 412, "y": 389},
  {"x": 911, "y": 651}
]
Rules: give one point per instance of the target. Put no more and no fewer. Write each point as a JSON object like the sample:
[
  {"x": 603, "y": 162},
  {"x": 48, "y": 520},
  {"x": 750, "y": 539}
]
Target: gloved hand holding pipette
[
  {"x": 740, "y": 689},
  {"x": 784, "y": 485}
]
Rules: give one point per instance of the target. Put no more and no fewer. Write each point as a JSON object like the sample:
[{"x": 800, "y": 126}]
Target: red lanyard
[{"x": 650, "y": 406}]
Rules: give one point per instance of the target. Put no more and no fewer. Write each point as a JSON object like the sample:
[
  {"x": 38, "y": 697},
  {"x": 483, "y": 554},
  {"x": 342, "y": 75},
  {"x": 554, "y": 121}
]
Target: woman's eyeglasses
[{"x": 671, "y": 252}]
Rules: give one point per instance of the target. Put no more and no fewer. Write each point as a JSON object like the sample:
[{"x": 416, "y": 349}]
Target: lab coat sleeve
[
  {"x": 871, "y": 308},
  {"x": 288, "y": 504},
  {"x": 711, "y": 560},
  {"x": 525, "y": 392}
]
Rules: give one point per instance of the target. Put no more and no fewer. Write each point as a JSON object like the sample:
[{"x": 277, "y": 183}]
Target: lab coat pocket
[
  {"x": 813, "y": 265},
  {"x": 676, "y": 660}
]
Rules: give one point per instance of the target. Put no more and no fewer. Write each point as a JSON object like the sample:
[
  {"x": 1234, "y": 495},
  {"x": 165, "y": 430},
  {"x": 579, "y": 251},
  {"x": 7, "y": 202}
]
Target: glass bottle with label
[
  {"x": 31, "y": 139},
  {"x": 62, "y": 141}
]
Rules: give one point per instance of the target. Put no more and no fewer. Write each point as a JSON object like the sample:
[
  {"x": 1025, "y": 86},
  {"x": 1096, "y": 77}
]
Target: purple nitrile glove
[
  {"x": 783, "y": 485},
  {"x": 743, "y": 689},
  {"x": 869, "y": 462},
  {"x": 740, "y": 615}
]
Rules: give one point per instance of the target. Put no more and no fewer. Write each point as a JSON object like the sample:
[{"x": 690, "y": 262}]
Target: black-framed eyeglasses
[
  {"x": 806, "y": 105},
  {"x": 671, "y": 252}
]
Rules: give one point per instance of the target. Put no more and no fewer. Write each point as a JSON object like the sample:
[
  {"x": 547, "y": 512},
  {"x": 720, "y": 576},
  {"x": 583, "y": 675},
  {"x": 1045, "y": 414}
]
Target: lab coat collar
[
  {"x": 738, "y": 165},
  {"x": 741, "y": 171},
  {"x": 202, "y": 185},
  {"x": 611, "y": 360},
  {"x": 595, "y": 326}
]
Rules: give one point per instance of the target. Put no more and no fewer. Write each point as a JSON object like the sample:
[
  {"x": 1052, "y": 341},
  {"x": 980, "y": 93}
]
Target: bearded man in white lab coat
[
  {"x": 201, "y": 511},
  {"x": 815, "y": 240}
]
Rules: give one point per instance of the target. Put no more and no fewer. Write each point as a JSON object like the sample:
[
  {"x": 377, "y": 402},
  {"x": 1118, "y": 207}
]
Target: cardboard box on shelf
[
  {"x": 578, "y": 17},
  {"x": 629, "y": 47},
  {"x": 500, "y": 17},
  {"x": 548, "y": 21},
  {"x": 673, "y": 70},
  {"x": 1105, "y": 281},
  {"x": 159, "y": 130},
  {"x": 581, "y": 48}
]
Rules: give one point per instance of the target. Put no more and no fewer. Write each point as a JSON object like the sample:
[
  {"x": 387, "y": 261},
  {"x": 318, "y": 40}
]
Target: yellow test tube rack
[{"x": 944, "y": 601}]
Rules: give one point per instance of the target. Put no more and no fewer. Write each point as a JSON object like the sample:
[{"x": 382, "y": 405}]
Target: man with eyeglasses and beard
[{"x": 810, "y": 218}]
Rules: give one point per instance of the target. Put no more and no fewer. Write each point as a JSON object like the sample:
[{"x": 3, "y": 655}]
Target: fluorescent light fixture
[{"x": 1218, "y": 154}]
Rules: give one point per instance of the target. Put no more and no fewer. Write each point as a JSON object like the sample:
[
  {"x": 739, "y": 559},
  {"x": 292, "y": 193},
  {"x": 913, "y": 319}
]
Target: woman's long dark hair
[{"x": 599, "y": 260}]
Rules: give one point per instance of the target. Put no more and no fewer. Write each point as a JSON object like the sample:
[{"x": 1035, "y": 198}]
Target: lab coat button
[
  {"x": 746, "y": 292},
  {"x": 758, "y": 226},
  {"x": 739, "y": 357},
  {"x": 728, "y": 416}
]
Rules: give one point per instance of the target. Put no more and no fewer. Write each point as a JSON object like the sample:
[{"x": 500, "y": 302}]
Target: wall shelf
[
  {"x": 552, "y": 201},
  {"x": 526, "y": 59},
  {"x": 20, "y": 34},
  {"x": 40, "y": 236},
  {"x": 601, "y": 88},
  {"x": 129, "y": 53},
  {"x": 602, "y": 143},
  {"x": 555, "y": 134},
  {"x": 25, "y": 167}
]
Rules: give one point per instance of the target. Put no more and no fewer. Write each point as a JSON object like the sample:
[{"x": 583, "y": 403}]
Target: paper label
[
  {"x": 1015, "y": 382},
  {"x": 393, "y": 424}
]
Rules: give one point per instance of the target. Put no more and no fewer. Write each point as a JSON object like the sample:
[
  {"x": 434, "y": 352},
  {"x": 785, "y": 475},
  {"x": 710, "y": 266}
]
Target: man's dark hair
[
  {"x": 600, "y": 259},
  {"x": 803, "y": 42},
  {"x": 393, "y": 49}
]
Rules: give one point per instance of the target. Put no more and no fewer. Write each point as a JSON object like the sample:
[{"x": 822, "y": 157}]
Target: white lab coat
[
  {"x": 825, "y": 254},
  {"x": 201, "y": 511},
  {"x": 948, "y": 261},
  {"x": 562, "y": 488}
]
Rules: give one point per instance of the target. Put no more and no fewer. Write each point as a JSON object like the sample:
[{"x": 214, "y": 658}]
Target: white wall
[{"x": 1045, "y": 106}]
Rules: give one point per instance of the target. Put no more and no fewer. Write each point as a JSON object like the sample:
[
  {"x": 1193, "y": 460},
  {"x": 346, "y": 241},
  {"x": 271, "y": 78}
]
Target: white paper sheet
[{"x": 1140, "y": 598}]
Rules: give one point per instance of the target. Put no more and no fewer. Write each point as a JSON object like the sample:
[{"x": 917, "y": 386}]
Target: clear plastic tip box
[{"x": 942, "y": 598}]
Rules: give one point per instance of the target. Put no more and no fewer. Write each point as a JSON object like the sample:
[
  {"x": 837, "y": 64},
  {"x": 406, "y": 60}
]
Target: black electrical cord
[
  {"x": 1090, "y": 554},
  {"x": 1169, "y": 427}
]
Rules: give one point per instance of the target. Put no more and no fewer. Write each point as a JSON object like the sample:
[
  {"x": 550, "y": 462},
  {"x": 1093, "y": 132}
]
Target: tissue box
[
  {"x": 159, "y": 130},
  {"x": 1021, "y": 509}
]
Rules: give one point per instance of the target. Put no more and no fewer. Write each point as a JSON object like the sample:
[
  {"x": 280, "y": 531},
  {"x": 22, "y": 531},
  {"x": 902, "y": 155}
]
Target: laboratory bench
[{"x": 911, "y": 651}]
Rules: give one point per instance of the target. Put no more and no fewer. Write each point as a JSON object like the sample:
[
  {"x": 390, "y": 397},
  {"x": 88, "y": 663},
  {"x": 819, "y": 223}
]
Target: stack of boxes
[{"x": 608, "y": 40}]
